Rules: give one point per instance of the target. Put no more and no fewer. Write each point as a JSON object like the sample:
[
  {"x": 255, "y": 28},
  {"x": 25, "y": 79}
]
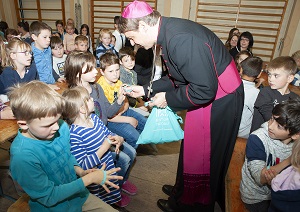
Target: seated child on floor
[
  {"x": 127, "y": 123},
  {"x": 250, "y": 70},
  {"x": 81, "y": 43},
  {"x": 268, "y": 152},
  {"x": 80, "y": 70},
  {"x": 281, "y": 71},
  {"x": 58, "y": 55},
  {"x": 40, "y": 157},
  {"x": 285, "y": 193},
  {"x": 128, "y": 76}
]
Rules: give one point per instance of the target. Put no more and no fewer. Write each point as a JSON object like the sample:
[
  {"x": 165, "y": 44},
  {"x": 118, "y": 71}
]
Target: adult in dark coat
[{"x": 202, "y": 78}]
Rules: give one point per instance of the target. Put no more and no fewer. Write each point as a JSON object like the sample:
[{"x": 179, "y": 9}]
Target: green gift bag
[{"x": 162, "y": 126}]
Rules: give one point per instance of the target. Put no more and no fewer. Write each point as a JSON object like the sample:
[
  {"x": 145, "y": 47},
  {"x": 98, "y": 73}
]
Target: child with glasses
[{"x": 17, "y": 65}]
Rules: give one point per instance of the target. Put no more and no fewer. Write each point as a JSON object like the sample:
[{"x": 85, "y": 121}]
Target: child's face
[
  {"x": 242, "y": 58},
  {"x": 276, "y": 131},
  {"x": 127, "y": 62},
  {"x": 90, "y": 105},
  {"x": 84, "y": 31},
  {"x": 89, "y": 76},
  {"x": 106, "y": 39},
  {"x": 58, "y": 51},
  {"x": 113, "y": 41},
  {"x": 81, "y": 46},
  {"x": 70, "y": 30},
  {"x": 112, "y": 73},
  {"x": 22, "y": 57},
  {"x": 43, "y": 40},
  {"x": 40, "y": 128},
  {"x": 279, "y": 79}
]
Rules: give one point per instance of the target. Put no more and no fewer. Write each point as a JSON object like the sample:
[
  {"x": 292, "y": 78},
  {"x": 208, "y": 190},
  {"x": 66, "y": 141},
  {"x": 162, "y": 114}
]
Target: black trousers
[{"x": 225, "y": 122}]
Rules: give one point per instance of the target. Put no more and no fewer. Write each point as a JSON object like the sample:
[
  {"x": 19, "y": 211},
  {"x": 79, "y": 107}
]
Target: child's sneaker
[
  {"x": 125, "y": 200},
  {"x": 129, "y": 188}
]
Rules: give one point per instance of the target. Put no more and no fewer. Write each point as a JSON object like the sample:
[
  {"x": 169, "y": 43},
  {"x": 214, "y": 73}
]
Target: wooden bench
[
  {"x": 233, "y": 178},
  {"x": 21, "y": 205}
]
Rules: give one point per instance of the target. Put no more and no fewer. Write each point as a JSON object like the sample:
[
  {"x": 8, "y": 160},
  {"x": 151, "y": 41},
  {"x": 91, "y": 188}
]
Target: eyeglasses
[
  {"x": 245, "y": 39},
  {"x": 26, "y": 53}
]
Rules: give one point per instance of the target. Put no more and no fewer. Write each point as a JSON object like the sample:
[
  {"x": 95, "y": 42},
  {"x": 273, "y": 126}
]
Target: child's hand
[
  {"x": 121, "y": 96},
  {"x": 117, "y": 141},
  {"x": 131, "y": 120},
  {"x": 100, "y": 172},
  {"x": 269, "y": 175},
  {"x": 54, "y": 87}
]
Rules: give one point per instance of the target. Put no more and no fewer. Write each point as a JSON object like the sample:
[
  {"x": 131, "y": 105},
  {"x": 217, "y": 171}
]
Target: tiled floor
[{"x": 150, "y": 172}]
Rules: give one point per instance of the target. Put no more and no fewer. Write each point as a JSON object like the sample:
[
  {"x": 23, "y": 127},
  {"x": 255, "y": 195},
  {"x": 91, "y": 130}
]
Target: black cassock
[{"x": 194, "y": 57}]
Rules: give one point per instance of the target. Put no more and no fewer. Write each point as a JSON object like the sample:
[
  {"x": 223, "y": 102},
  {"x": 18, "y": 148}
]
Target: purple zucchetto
[{"x": 137, "y": 9}]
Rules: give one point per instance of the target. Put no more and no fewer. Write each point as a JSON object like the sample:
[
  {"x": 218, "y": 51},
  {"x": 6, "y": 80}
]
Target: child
[
  {"x": 120, "y": 37},
  {"x": 281, "y": 71},
  {"x": 80, "y": 71},
  {"x": 250, "y": 70},
  {"x": 128, "y": 76},
  {"x": 285, "y": 193},
  {"x": 104, "y": 45},
  {"x": 58, "y": 55},
  {"x": 18, "y": 66},
  {"x": 41, "y": 34},
  {"x": 269, "y": 147},
  {"x": 81, "y": 43},
  {"x": 127, "y": 123},
  {"x": 23, "y": 28},
  {"x": 69, "y": 39},
  {"x": 71, "y": 21},
  {"x": 296, "y": 57},
  {"x": 113, "y": 40},
  {"x": 85, "y": 30},
  {"x": 41, "y": 161},
  {"x": 10, "y": 34},
  {"x": 242, "y": 55},
  {"x": 90, "y": 139}
]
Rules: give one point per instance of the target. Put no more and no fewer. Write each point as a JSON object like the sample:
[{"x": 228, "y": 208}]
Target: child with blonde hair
[
  {"x": 285, "y": 193},
  {"x": 81, "y": 43},
  {"x": 90, "y": 139},
  {"x": 80, "y": 71},
  {"x": 41, "y": 161},
  {"x": 18, "y": 66},
  {"x": 69, "y": 38},
  {"x": 296, "y": 57},
  {"x": 105, "y": 37}
]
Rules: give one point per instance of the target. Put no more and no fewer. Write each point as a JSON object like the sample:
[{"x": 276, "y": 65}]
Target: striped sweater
[{"x": 84, "y": 144}]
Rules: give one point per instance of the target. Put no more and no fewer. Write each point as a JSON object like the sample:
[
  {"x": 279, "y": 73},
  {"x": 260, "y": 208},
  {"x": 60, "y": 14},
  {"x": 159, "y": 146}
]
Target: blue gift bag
[{"x": 161, "y": 126}]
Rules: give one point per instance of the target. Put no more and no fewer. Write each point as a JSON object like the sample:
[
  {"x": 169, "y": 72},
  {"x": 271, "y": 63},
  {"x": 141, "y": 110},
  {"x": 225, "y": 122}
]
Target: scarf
[{"x": 110, "y": 91}]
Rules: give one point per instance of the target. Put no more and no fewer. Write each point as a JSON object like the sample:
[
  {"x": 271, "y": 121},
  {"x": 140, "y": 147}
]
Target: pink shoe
[
  {"x": 125, "y": 200},
  {"x": 129, "y": 188}
]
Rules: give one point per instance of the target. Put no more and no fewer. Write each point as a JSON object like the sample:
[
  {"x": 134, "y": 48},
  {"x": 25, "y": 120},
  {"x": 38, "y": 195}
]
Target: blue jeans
[
  {"x": 124, "y": 161},
  {"x": 126, "y": 130}
]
